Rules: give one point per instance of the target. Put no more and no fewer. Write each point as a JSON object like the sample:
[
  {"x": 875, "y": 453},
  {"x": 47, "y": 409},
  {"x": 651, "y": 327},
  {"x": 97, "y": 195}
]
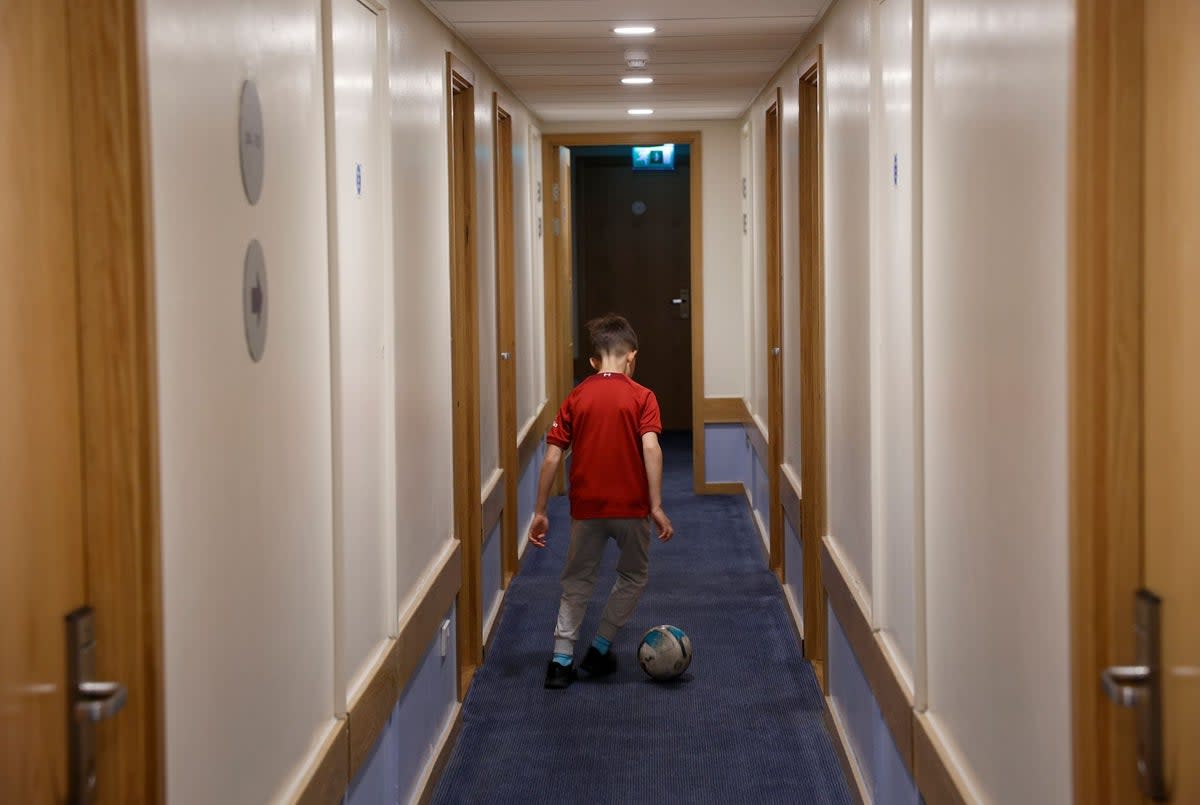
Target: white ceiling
[{"x": 708, "y": 58}]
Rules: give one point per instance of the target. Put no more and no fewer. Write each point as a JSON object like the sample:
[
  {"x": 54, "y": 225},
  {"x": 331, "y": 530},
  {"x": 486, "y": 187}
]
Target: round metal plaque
[
  {"x": 250, "y": 142},
  {"x": 254, "y": 300},
  {"x": 639, "y": 207}
]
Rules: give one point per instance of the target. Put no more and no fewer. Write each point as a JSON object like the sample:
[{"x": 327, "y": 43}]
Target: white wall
[
  {"x": 895, "y": 310},
  {"x": 946, "y": 360},
  {"x": 421, "y": 219},
  {"x": 530, "y": 277},
  {"x": 722, "y": 214},
  {"x": 245, "y": 447},
  {"x": 247, "y": 470},
  {"x": 996, "y": 101}
]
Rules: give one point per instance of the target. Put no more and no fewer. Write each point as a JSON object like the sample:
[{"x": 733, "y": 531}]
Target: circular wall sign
[
  {"x": 254, "y": 300},
  {"x": 639, "y": 207},
  {"x": 250, "y": 142}
]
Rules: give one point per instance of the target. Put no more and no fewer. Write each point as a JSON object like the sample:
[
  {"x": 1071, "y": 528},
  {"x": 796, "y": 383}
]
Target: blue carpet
[{"x": 744, "y": 724}]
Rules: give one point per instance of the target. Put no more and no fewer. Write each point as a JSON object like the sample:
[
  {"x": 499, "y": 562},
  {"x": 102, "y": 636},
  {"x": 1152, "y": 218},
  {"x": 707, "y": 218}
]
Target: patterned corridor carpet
[{"x": 744, "y": 725}]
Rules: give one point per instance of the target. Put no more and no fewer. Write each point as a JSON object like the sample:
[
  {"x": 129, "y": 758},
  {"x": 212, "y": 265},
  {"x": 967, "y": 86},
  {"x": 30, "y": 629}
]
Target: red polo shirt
[{"x": 603, "y": 420}]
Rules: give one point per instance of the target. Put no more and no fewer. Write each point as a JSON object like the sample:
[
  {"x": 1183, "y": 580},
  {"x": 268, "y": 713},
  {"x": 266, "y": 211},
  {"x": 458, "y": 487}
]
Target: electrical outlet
[{"x": 445, "y": 637}]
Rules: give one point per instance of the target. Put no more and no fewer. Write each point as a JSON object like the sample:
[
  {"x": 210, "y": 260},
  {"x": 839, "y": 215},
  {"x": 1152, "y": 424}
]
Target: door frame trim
[
  {"x": 773, "y": 278},
  {"x": 810, "y": 222},
  {"x": 464, "y": 350},
  {"x": 555, "y": 347},
  {"x": 119, "y": 383},
  {"x": 506, "y": 335},
  {"x": 1105, "y": 269}
]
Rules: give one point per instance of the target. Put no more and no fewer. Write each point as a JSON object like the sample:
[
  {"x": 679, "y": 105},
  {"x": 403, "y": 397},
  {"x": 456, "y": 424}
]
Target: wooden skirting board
[
  {"x": 345, "y": 753},
  {"x": 915, "y": 740}
]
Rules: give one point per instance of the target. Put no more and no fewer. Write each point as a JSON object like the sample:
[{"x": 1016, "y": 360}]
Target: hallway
[
  {"x": 292, "y": 291},
  {"x": 743, "y": 725}
]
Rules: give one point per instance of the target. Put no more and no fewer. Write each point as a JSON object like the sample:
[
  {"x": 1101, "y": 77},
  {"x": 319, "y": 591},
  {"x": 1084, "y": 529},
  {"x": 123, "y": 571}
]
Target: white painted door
[{"x": 359, "y": 298}]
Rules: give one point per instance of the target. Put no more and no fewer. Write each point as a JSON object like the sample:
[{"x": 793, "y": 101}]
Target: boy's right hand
[
  {"x": 538, "y": 529},
  {"x": 665, "y": 529}
]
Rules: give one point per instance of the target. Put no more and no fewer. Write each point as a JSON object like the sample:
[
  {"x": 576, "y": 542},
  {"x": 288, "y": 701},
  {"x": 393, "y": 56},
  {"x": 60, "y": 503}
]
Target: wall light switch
[{"x": 444, "y": 633}]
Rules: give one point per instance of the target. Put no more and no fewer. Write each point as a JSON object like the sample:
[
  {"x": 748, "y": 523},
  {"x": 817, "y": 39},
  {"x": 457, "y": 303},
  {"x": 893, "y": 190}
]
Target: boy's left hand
[
  {"x": 538, "y": 530},
  {"x": 665, "y": 529}
]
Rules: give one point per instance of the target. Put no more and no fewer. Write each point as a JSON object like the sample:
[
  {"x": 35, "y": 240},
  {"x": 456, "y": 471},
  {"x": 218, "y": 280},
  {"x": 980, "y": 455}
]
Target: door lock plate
[{"x": 1139, "y": 687}]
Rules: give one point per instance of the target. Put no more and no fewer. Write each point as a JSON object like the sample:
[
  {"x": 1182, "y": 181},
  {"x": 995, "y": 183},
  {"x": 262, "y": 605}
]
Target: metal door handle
[
  {"x": 776, "y": 351},
  {"x": 1139, "y": 687},
  {"x": 97, "y": 701},
  {"x": 1126, "y": 684},
  {"x": 505, "y": 356},
  {"x": 683, "y": 303}
]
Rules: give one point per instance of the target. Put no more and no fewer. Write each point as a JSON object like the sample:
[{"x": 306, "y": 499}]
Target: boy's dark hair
[{"x": 611, "y": 335}]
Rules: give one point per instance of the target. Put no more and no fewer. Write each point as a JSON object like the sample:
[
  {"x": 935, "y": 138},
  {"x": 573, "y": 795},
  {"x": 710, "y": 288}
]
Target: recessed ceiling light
[
  {"x": 637, "y": 79},
  {"x": 634, "y": 30},
  {"x": 641, "y": 111}
]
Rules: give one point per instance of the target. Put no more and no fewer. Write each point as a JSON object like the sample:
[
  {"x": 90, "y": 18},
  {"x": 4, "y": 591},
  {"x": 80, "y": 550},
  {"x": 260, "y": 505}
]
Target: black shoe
[
  {"x": 559, "y": 676},
  {"x": 597, "y": 664}
]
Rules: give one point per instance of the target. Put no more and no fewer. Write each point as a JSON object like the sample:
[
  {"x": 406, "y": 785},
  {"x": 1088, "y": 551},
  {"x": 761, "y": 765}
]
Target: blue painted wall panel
[
  {"x": 870, "y": 739},
  {"x": 724, "y": 449},
  {"x": 393, "y": 769},
  {"x": 527, "y": 491},
  {"x": 793, "y": 562},
  {"x": 490, "y": 575}
]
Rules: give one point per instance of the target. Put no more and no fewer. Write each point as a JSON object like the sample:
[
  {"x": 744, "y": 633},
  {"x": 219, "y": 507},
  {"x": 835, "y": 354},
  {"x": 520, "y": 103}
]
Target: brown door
[
  {"x": 41, "y": 513},
  {"x": 1171, "y": 427},
  {"x": 78, "y": 499},
  {"x": 633, "y": 257},
  {"x": 774, "y": 355},
  {"x": 506, "y": 337}
]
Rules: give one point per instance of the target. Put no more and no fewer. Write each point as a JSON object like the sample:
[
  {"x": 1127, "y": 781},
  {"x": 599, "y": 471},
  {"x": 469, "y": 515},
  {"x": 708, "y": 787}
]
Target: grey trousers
[{"x": 588, "y": 538}]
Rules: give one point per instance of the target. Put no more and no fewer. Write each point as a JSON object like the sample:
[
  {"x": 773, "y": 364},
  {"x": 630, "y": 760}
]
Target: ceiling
[{"x": 708, "y": 58}]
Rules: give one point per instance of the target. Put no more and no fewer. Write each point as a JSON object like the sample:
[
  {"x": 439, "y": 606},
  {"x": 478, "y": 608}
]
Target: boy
[{"x": 616, "y": 484}]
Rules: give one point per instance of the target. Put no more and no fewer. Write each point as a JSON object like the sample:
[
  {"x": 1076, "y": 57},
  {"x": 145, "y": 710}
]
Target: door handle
[
  {"x": 91, "y": 702},
  {"x": 1139, "y": 688},
  {"x": 683, "y": 303},
  {"x": 776, "y": 351},
  {"x": 99, "y": 701},
  {"x": 1126, "y": 684},
  {"x": 505, "y": 356}
]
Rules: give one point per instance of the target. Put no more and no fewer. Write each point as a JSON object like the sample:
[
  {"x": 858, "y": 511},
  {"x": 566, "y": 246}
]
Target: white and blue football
[{"x": 665, "y": 652}]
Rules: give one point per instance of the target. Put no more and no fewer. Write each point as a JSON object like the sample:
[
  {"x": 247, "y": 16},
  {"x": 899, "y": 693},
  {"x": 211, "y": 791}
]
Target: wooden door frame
[
  {"x": 464, "y": 360},
  {"x": 811, "y": 223},
  {"x": 773, "y": 225},
  {"x": 558, "y": 353},
  {"x": 1105, "y": 373},
  {"x": 506, "y": 333},
  {"x": 119, "y": 385}
]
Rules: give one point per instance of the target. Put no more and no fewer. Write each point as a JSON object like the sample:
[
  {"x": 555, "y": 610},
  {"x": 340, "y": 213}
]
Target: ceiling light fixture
[
  {"x": 641, "y": 111},
  {"x": 634, "y": 30},
  {"x": 637, "y": 79}
]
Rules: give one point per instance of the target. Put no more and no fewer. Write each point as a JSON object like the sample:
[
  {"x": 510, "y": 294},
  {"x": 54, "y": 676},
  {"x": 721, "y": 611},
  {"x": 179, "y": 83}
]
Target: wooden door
[
  {"x": 1171, "y": 344},
  {"x": 774, "y": 357},
  {"x": 78, "y": 506},
  {"x": 633, "y": 245},
  {"x": 506, "y": 338},
  {"x": 41, "y": 494},
  {"x": 812, "y": 367},
  {"x": 464, "y": 364},
  {"x": 1135, "y": 392}
]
